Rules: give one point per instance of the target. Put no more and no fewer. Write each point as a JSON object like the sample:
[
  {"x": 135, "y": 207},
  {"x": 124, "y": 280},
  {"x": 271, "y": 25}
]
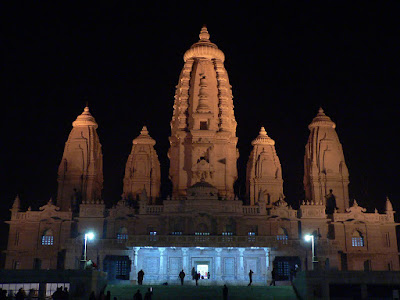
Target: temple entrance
[
  {"x": 284, "y": 266},
  {"x": 203, "y": 267}
]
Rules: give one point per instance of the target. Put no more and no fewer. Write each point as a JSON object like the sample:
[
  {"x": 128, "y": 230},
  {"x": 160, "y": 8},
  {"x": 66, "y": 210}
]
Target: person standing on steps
[
  {"x": 182, "y": 276},
  {"x": 194, "y": 273},
  {"x": 140, "y": 276},
  {"x": 225, "y": 292},
  {"x": 250, "y": 277}
]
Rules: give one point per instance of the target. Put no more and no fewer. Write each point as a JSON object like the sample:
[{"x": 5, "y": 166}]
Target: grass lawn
[{"x": 161, "y": 292}]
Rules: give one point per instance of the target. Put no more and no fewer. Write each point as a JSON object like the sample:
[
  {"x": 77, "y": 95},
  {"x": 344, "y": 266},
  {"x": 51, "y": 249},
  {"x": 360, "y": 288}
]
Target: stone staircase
[{"x": 178, "y": 292}]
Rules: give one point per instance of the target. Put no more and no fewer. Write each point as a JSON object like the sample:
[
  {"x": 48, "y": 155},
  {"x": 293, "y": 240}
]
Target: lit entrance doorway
[{"x": 203, "y": 267}]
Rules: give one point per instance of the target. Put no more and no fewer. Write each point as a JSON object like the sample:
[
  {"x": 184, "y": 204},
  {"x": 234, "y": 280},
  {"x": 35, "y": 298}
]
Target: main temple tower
[{"x": 203, "y": 127}]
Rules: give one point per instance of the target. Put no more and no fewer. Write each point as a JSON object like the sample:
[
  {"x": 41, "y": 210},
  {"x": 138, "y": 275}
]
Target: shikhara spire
[
  {"x": 80, "y": 174},
  {"x": 142, "y": 171},
  {"x": 324, "y": 165},
  {"x": 264, "y": 172},
  {"x": 203, "y": 126}
]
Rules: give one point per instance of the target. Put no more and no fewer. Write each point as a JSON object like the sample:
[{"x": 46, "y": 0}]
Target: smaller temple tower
[
  {"x": 142, "y": 170},
  {"x": 80, "y": 174},
  {"x": 324, "y": 165},
  {"x": 264, "y": 173}
]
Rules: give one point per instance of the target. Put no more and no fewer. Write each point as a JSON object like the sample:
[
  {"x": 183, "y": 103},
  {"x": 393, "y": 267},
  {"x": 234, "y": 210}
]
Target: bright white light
[
  {"x": 308, "y": 237},
  {"x": 89, "y": 236}
]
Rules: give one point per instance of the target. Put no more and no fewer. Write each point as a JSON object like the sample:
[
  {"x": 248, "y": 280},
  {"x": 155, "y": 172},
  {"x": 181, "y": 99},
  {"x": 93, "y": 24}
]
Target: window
[
  {"x": 282, "y": 236},
  {"x": 176, "y": 233},
  {"x": 389, "y": 266},
  {"x": 153, "y": 235},
  {"x": 283, "y": 269},
  {"x": 201, "y": 233},
  {"x": 203, "y": 125},
  {"x": 202, "y": 229},
  {"x": 386, "y": 239},
  {"x": 16, "y": 264},
  {"x": 16, "y": 241},
  {"x": 122, "y": 235},
  {"x": 48, "y": 238},
  {"x": 122, "y": 270},
  {"x": 227, "y": 236},
  {"x": 251, "y": 236},
  {"x": 357, "y": 239},
  {"x": 227, "y": 233}
]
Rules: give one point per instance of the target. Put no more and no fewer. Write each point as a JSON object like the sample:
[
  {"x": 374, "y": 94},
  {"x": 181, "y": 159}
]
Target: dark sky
[{"x": 284, "y": 61}]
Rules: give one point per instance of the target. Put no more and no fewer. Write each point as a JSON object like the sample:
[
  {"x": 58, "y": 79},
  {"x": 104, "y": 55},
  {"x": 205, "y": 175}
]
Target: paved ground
[{"x": 177, "y": 292}]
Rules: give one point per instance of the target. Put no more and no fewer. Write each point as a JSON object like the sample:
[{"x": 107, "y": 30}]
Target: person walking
[
  {"x": 21, "y": 294},
  {"x": 182, "y": 276},
  {"x": 137, "y": 296},
  {"x": 197, "y": 277},
  {"x": 273, "y": 275},
  {"x": 148, "y": 294},
  {"x": 250, "y": 277},
  {"x": 194, "y": 273},
  {"x": 140, "y": 277},
  {"x": 225, "y": 292}
]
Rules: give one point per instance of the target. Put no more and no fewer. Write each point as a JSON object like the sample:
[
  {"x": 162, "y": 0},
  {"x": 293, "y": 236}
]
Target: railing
[
  {"x": 204, "y": 241},
  {"x": 215, "y": 241},
  {"x": 251, "y": 210},
  {"x": 154, "y": 209}
]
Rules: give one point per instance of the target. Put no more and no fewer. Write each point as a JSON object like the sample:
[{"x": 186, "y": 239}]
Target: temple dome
[
  {"x": 204, "y": 48},
  {"x": 321, "y": 120},
  {"x": 263, "y": 138},
  {"x": 85, "y": 119},
  {"x": 144, "y": 138},
  {"x": 202, "y": 190}
]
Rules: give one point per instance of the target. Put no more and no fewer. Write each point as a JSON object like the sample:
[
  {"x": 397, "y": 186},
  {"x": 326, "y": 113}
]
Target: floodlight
[
  {"x": 308, "y": 237},
  {"x": 89, "y": 236}
]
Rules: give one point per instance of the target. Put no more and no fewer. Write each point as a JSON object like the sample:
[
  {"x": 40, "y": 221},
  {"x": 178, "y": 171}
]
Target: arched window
[
  {"x": 48, "y": 238},
  {"x": 357, "y": 239},
  {"x": 122, "y": 235},
  {"x": 282, "y": 235},
  {"x": 202, "y": 229}
]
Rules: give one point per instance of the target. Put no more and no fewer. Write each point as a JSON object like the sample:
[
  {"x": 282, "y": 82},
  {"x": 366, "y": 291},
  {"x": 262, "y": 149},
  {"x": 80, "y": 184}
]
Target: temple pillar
[
  {"x": 266, "y": 264},
  {"x": 218, "y": 264},
  {"x": 185, "y": 266},
  {"x": 162, "y": 262},
  {"x": 241, "y": 265},
  {"x": 134, "y": 259}
]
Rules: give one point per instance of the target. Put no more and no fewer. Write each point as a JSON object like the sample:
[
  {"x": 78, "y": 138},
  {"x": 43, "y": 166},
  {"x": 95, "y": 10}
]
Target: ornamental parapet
[{"x": 209, "y": 241}]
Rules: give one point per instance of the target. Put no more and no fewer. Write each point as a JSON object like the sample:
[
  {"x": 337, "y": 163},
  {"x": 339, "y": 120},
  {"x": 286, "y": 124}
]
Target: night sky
[{"x": 284, "y": 60}]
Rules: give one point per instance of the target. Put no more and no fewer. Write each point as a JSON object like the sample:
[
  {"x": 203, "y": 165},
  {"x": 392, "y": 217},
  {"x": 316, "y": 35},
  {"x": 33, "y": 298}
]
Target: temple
[{"x": 203, "y": 225}]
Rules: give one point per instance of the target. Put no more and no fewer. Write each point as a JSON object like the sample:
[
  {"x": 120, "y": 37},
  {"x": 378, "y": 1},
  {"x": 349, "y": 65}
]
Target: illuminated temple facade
[{"x": 202, "y": 224}]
